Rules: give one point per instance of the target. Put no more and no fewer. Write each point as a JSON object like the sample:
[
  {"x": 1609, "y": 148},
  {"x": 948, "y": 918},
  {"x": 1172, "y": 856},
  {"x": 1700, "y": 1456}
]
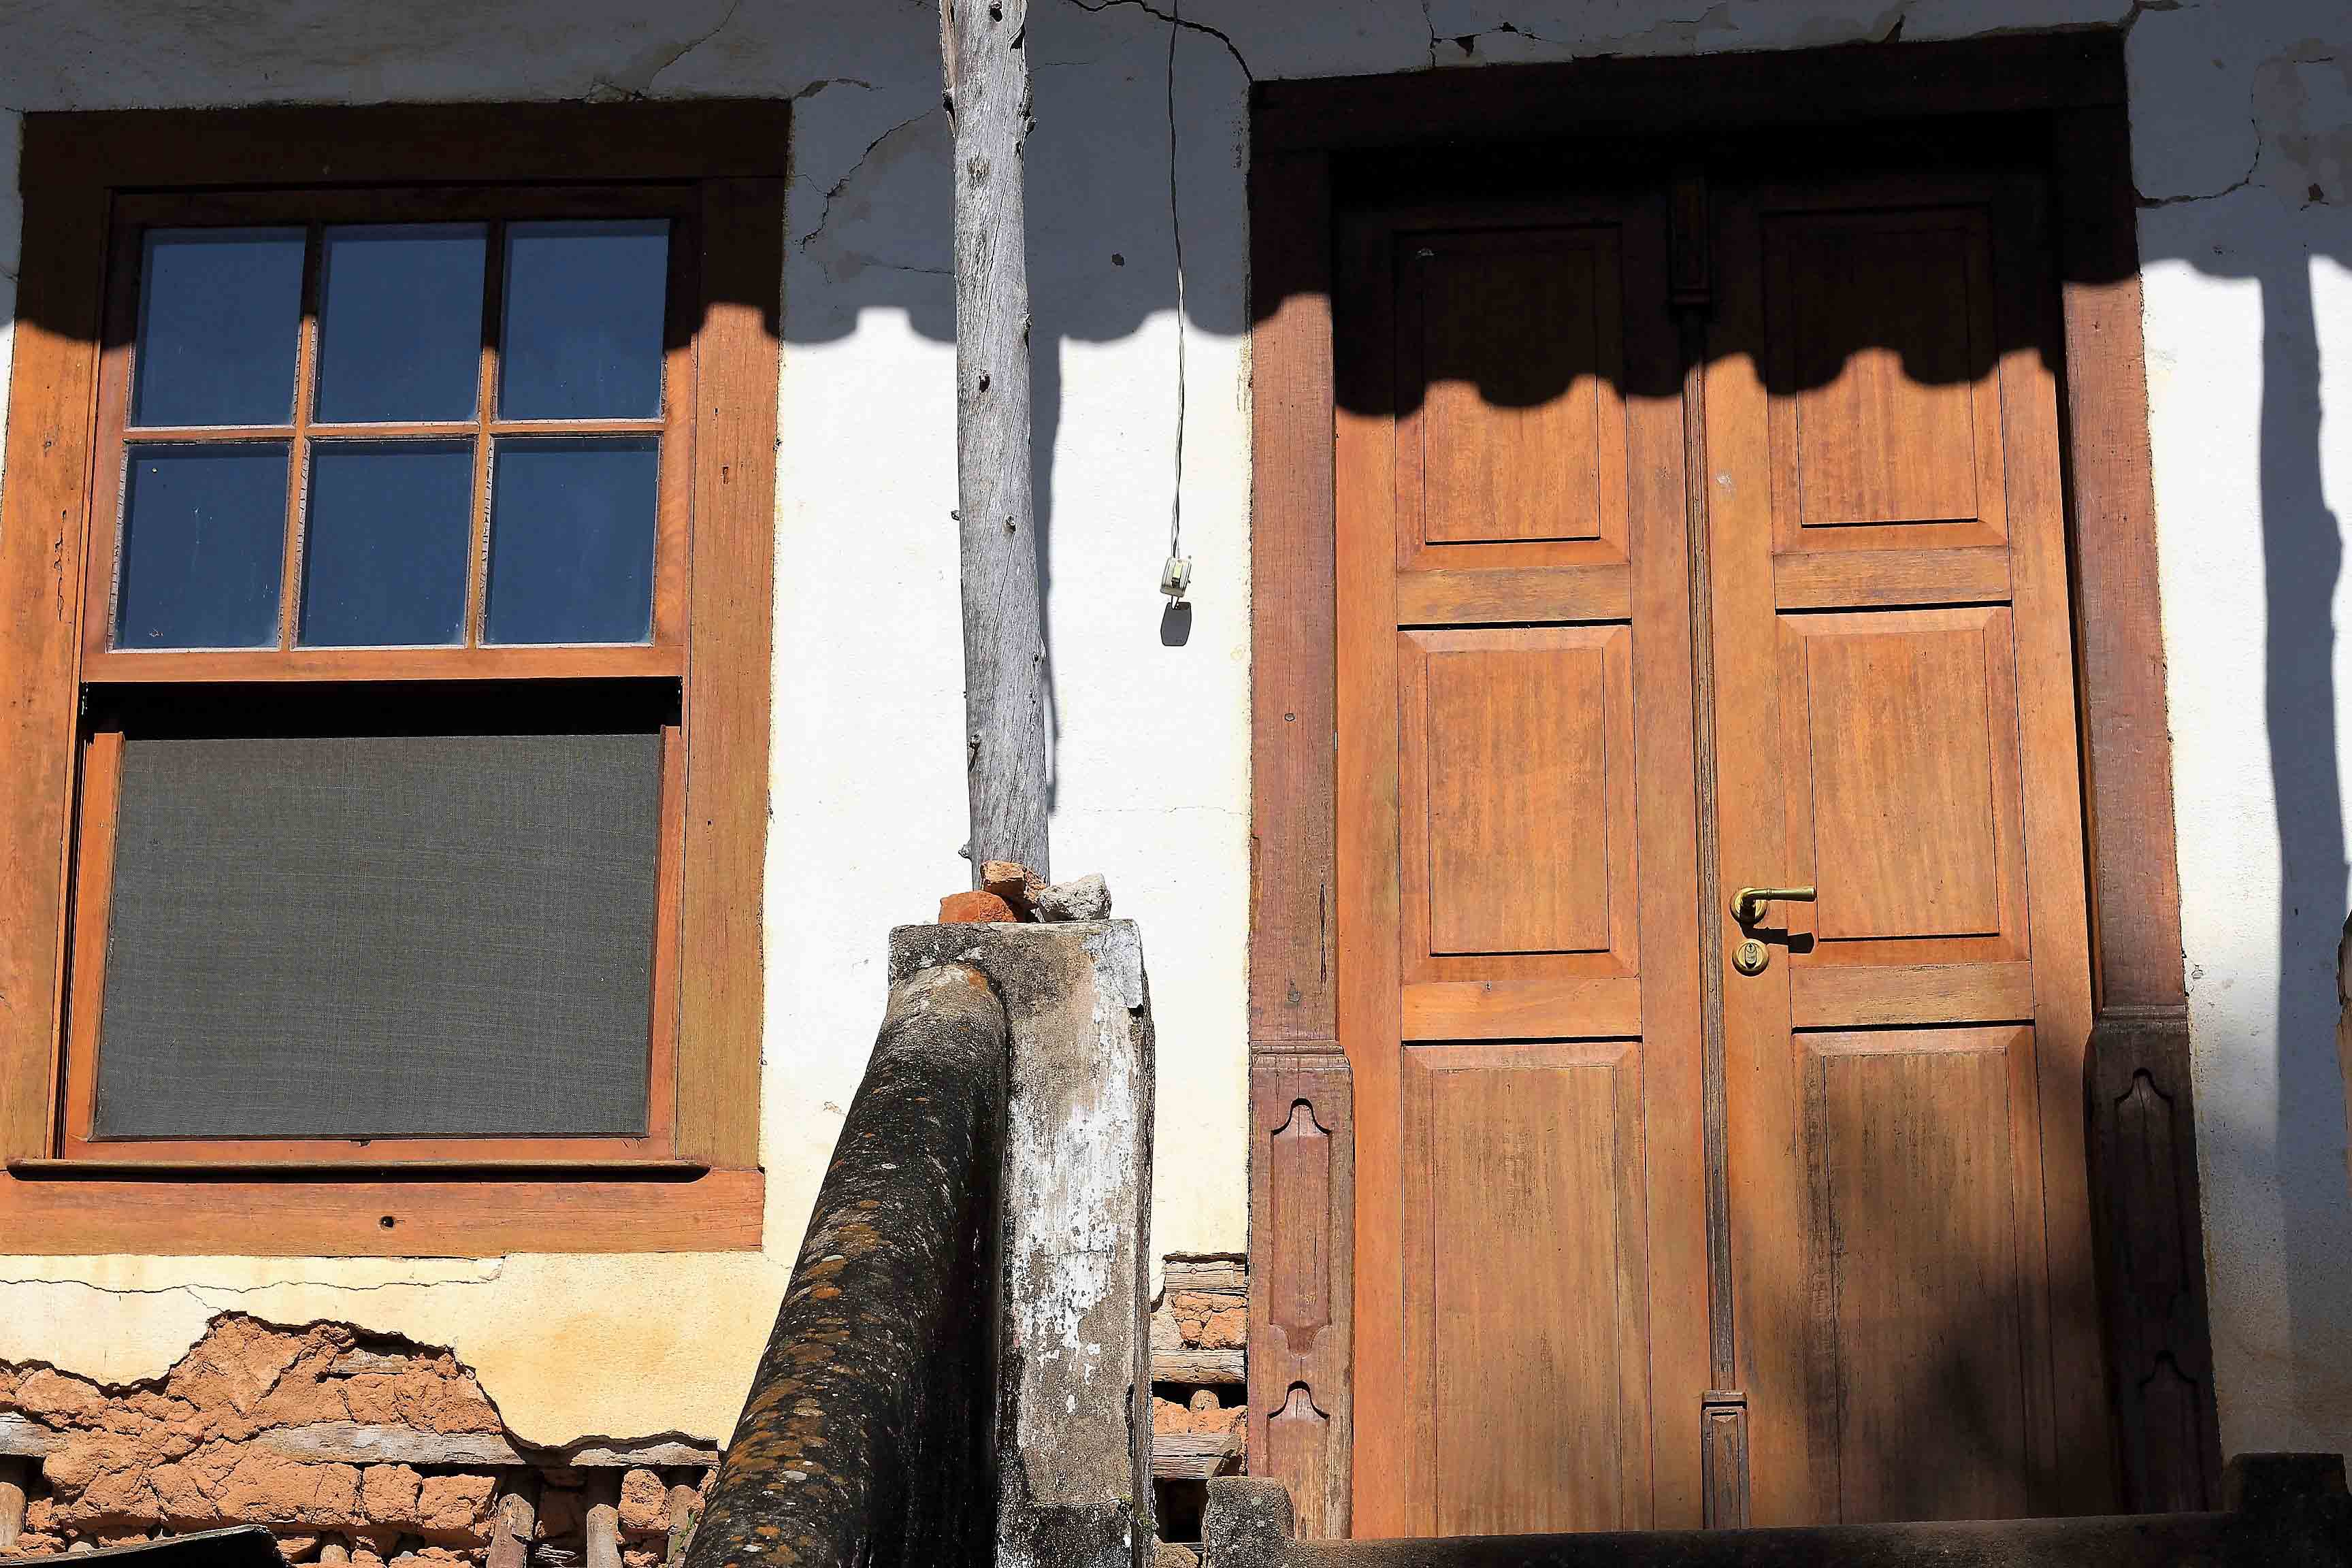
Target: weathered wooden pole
[{"x": 987, "y": 73}]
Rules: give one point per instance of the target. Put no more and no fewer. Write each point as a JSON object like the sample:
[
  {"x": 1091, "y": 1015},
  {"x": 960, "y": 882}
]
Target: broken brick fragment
[
  {"x": 456, "y": 1510},
  {"x": 974, "y": 909},
  {"x": 1014, "y": 883},
  {"x": 54, "y": 1399},
  {"x": 645, "y": 1503},
  {"x": 388, "y": 1493}
]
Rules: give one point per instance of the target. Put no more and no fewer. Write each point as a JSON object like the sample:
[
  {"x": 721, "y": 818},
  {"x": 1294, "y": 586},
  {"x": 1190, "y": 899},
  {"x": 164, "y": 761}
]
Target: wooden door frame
[{"x": 2064, "y": 91}]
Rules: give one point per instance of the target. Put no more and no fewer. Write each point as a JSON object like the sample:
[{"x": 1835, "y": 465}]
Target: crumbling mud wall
[
  {"x": 1200, "y": 1422},
  {"x": 1203, "y": 1307},
  {"x": 352, "y": 1447}
]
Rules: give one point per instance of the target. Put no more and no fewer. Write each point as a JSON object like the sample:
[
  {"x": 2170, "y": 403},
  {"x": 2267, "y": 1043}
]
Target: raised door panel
[
  {"x": 1901, "y": 777},
  {"x": 1517, "y": 763},
  {"x": 1510, "y": 426},
  {"x": 1511, "y": 431},
  {"x": 1524, "y": 1302},
  {"x": 1517, "y": 820},
  {"x": 1879, "y": 343},
  {"x": 1919, "y": 1144}
]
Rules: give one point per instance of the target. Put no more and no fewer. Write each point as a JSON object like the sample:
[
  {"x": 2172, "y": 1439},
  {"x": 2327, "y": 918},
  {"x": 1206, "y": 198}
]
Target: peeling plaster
[{"x": 538, "y": 1331}]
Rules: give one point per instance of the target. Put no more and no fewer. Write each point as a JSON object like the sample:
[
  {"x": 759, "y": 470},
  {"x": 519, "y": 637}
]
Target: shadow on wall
[
  {"x": 2291, "y": 208},
  {"x": 1105, "y": 245}
]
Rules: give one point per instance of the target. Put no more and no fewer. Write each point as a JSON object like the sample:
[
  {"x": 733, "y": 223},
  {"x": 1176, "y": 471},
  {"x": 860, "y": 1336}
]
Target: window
[{"x": 402, "y": 771}]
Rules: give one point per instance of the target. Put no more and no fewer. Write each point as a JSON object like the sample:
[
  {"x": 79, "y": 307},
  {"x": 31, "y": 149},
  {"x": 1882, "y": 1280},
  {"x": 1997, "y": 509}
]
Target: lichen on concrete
[{"x": 1074, "y": 1417}]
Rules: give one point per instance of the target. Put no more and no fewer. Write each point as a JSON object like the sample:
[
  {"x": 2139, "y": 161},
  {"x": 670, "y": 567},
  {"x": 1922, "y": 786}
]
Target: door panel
[
  {"x": 1917, "y": 1401},
  {"x": 1532, "y": 1149},
  {"x": 1880, "y": 324},
  {"x": 1516, "y": 747},
  {"x": 1511, "y": 438},
  {"x": 1517, "y": 872},
  {"x": 1899, "y": 757},
  {"x": 1517, "y": 367}
]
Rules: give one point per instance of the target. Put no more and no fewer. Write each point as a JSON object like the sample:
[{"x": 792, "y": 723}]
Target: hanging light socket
[{"x": 1176, "y": 577}]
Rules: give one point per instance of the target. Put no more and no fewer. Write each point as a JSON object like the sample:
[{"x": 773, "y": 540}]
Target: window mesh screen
[{"x": 377, "y": 936}]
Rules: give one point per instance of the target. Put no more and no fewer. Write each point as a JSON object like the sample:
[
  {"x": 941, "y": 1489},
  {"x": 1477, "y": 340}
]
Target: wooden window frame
[
  {"x": 91, "y": 183},
  {"x": 2063, "y": 96}
]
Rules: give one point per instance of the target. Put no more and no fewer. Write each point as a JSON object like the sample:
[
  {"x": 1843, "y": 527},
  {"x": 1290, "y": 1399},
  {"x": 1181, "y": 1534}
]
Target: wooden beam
[
  {"x": 1221, "y": 1369},
  {"x": 514, "y": 1521},
  {"x": 1196, "y": 1456},
  {"x": 355, "y": 1443},
  {"x": 352, "y": 1443},
  {"x": 987, "y": 69},
  {"x": 1205, "y": 1274},
  {"x": 23, "y": 1437},
  {"x": 603, "y": 1533},
  {"x": 428, "y": 1217},
  {"x": 16, "y": 1478}
]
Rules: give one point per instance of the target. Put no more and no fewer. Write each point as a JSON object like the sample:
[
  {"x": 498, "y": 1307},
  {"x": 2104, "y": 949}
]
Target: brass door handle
[{"x": 1747, "y": 904}]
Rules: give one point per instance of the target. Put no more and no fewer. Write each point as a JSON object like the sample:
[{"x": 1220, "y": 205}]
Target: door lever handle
[{"x": 1747, "y": 904}]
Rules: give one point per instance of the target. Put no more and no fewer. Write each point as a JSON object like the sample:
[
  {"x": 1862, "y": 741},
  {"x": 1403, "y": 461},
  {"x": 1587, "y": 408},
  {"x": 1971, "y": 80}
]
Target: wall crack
[
  {"x": 637, "y": 80},
  {"x": 1175, "y": 20},
  {"x": 834, "y": 191}
]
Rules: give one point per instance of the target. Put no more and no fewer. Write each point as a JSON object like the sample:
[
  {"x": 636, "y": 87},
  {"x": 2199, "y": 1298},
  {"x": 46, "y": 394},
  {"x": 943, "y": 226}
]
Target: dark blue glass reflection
[
  {"x": 383, "y": 554},
  {"x": 400, "y": 322},
  {"x": 583, "y": 320},
  {"x": 220, "y": 315},
  {"x": 571, "y": 540},
  {"x": 204, "y": 539}
]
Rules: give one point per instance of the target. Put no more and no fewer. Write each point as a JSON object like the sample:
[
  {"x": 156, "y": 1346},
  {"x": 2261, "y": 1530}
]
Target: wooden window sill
[
  {"x": 82, "y": 1207},
  {"x": 389, "y": 1166}
]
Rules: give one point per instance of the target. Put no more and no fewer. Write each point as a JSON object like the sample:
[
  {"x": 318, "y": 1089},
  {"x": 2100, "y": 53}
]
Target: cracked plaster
[{"x": 538, "y": 1331}]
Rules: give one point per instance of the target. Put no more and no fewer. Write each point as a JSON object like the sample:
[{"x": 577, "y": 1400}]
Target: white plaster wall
[
  {"x": 2247, "y": 166},
  {"x": 2239, "y": 110}
]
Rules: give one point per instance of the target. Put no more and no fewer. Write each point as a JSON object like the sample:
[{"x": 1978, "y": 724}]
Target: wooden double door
[{"x": 1699, "y": 534}]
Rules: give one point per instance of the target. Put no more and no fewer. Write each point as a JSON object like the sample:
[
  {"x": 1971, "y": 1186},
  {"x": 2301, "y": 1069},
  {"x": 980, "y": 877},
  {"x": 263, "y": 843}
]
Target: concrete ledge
[{"x": 2287, "y": 1511}]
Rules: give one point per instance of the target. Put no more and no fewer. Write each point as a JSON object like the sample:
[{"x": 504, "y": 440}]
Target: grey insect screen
[{"x": 381, "y": 936}]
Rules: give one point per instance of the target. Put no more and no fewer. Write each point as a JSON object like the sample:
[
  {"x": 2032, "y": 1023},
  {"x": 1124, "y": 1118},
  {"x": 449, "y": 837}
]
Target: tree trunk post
[{"x": 987, "y": 73}]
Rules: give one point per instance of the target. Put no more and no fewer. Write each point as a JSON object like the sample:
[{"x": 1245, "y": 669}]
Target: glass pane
[
  {"x": 583, "y": 320},
  {"x": 400, "y": 322},
  {"x": 220, "y": 313},
  {"x": 384, "y": 557},
  {"x": 203, "y": 539},
  {"x": 572, "y": 541}
]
